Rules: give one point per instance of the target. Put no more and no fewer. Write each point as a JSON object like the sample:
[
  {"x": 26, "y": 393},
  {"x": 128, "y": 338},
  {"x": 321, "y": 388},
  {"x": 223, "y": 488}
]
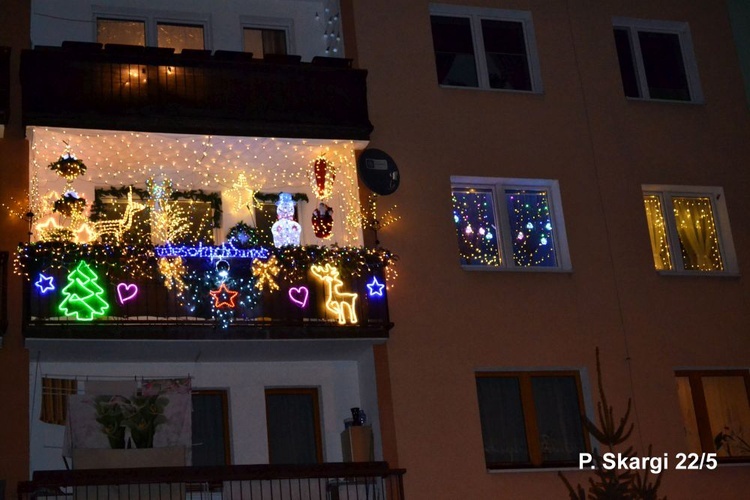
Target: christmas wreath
[{"x": 68, "y": 167}]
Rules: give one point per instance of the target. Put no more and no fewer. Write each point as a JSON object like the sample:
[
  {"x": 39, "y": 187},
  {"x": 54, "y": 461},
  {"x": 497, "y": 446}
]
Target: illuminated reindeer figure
[
  {"x": 337, "y": 302},
  {"x": 118, "y": 227}
]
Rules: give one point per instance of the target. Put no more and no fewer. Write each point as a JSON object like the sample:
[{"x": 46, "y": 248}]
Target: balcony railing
[
  {"x": 332, "y": 481},
  {"x": 293, "y": 303},
  {"x": 226, "y": 93}
]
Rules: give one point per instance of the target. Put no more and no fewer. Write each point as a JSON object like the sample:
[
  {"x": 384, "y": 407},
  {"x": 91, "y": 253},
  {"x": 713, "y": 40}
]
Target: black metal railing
[
  {"x": 133, "y": 308},
  {"x": 150, "y": 89},
  {"x": 332, "y": 481}
]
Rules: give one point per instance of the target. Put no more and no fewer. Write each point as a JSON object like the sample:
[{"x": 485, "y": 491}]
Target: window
[
  {"x": 531, "y": 419},
  {"x": 716, "y": 411},
  {"x": 485, "y": 48},
  {"x": 689, "y": 229},
  {"x": 509, "y": 224},
  {"x": 267, "y": 35},
  {"x": 145, "y": 28},
  {"x": 293, "y": 419},
  {"x": 656, "y": 60},
  {"x": 210, "y": 428}
]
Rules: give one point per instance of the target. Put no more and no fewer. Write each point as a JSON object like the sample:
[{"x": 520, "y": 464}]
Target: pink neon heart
[
  {"x": 126, "y": 292},
  {"x": 299, "y": 295}
]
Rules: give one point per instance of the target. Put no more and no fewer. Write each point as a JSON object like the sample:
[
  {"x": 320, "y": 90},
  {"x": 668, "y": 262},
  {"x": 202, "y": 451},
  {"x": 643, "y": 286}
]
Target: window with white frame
[
  {"x": 689, "y": 229},
  {"x": 531, "y": 419},
  {"x": 262, "y": 36},
  {"x": 657, "y": 60},
  {"x": 509, "y": 223},
  {"x": 145, "y": 28},
  {"x": 485, "y": 48},
  {"x": 715, "y": 407}
]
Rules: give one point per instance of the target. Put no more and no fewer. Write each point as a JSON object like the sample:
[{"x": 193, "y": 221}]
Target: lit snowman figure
[{"x": 285, "y": 230}]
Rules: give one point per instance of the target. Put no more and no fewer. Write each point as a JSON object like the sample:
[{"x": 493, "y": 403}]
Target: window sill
[
  {"x": 665, "y": 101},
  {"x": 707, "y": 274},
  {"x": 551, "y": 270},
  {"x": 555, "y": 469},
  {"x": 489, "y": 89}
]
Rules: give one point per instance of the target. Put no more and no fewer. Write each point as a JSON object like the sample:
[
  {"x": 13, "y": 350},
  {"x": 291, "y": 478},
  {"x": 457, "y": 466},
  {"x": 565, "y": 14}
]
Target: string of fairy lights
[{"x": 142, "y": 224}]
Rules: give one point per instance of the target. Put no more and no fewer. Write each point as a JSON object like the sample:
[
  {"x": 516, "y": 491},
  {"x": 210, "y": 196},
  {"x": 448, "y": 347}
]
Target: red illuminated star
[{"x": 223, "y": 297}]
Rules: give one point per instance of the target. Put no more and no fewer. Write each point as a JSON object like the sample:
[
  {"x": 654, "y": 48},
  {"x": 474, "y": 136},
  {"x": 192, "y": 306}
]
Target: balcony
[
  {"x": 333, "y": 481},
  {"x": 216, "y": 292},
  {"x": 151, "y": 89}
]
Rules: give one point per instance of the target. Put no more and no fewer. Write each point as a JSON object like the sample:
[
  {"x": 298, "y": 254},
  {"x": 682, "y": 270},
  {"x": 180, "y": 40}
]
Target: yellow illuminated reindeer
[
  {"x": 118, "y": 227},
  {"x": 337, "y": 302}
]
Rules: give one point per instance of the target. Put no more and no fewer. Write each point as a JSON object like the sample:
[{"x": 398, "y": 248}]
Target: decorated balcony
[{"x": 137, "y": 235}]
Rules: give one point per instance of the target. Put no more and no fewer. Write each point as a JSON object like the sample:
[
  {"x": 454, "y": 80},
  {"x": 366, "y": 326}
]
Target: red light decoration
[{"x": 224, "y": 297}]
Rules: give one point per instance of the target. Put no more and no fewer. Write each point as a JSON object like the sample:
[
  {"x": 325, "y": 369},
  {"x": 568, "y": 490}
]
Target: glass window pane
[
  {"x": 664, "y": 67},
  {"x": 696, "y": 229},
  {"x": 199, "y": 217},
  {"x": 502, "y": 419},
  {"x": 121, "y": 31},
  {"x": 685, "y": 394},
  {"x": 728, "y": 414},
  {"x": 531, "y": 228},
  {"x": 180, "y": 36},
  {"x": 264, "y": 41},
  {"x": 291, "y": 420},
  {"x": 208, "y": 429},
  {"x": 558, "y": 416},
  {"x": 627, "y": 63},
  {"x": 657, "y": 231},
  {"x": 454, "y": 51},
  {"x": 505, "y": 50},
  {"x": 476, "y": 230}
]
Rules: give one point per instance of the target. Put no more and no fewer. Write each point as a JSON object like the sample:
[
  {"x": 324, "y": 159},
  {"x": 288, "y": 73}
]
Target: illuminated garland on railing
[{"x": 126, "y": 262}]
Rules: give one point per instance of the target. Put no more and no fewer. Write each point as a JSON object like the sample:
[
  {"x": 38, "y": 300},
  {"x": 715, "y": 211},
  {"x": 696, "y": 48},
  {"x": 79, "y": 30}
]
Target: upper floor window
[
  {"x": 485, "y": 48},
  {"x": 656, "y": 60},
  {"x": 716, "y": 411},
  {"x": 262, "y": 36},
  {"x": 531, "y": 419},
  {"x": 689, "y": 229},
  {"x": 509, "y": 223},
  {"x": 148, "y": 29}
]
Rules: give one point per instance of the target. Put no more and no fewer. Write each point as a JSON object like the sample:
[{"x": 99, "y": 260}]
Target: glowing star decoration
[
  {"x": 341, "y": 304},
  {"x": 265, "y": 273},
  {"x": 299, "y": 295},
  {"x": 375, "y": 288},
  {"x": 45, "y": 283},
  {"x": 126, "y": 292},
  {"x": 84, "y": 297},
  {"x": 286, "y": 231},
  {"x": 85, "y": 234},
  {"x": 46, "y": 227},
  {"x": 224, "y": 297},
  {"x": 242, "y": 193}
]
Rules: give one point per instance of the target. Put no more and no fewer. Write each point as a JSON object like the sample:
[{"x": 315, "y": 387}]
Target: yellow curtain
[
  {"x": 729, "y": 412},
  {"x": 657, "y": 232},
  {"x": 697, "y": 232},
  {"x": 55, "y": 392}
]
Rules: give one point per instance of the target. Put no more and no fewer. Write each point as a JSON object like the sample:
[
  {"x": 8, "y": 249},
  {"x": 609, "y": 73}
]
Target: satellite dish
[{"x": 378, "y": 171}]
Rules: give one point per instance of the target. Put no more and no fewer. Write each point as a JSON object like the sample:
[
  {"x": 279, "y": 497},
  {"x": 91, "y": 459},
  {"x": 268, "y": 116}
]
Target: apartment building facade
[{"x": 571, "y": 178}]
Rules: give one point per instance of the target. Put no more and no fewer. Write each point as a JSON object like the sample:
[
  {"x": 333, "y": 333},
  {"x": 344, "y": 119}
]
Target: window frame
[
  {"x": 700, "y": 405},
  {"x": 151, "y": 20},
  {"x": 679, "y": 28},
  {"x": 285, "y": 24},
  {"x": 475, "y": 16},
  {"x": 314, "y": 393},
  {"x": 498, "y": 185},
  {"x": 528, "y": 409},
  {"x": 721, "y": 221}
]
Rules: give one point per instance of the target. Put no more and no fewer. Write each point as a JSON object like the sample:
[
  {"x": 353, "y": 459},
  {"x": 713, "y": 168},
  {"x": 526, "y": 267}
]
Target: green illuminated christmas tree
[{"x": 84, "y": 298}]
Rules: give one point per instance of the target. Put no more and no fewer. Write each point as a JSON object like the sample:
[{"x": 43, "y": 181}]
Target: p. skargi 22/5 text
[{"x": 654, "y": 464}]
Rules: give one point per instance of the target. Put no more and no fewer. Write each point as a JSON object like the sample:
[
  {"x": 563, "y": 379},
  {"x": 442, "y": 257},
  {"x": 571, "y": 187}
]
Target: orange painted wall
[
  {"x": 602, "y": 148},
  {"x": 14, "y": 359}
]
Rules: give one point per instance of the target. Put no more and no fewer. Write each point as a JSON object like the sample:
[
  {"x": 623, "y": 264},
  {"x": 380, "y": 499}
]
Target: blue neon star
[
  {"x": 45, "y": 283},
  {"x": 375, "y": 288}
]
